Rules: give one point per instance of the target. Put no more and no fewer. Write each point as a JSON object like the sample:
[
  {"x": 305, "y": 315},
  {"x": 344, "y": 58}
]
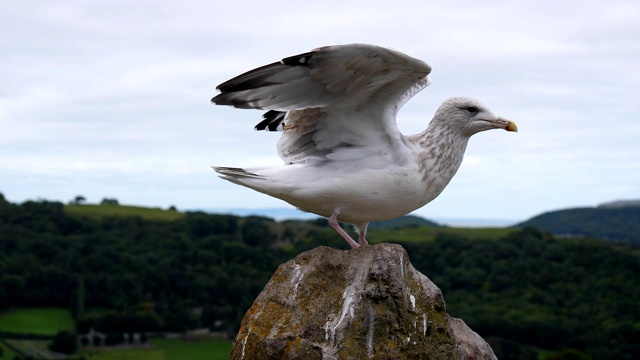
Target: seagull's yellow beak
[{"x": 510, "y": 125}]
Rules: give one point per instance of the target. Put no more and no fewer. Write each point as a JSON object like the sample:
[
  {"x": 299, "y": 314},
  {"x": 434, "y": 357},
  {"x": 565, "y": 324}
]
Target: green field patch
[
  {"x": 41, "y": 321},
  {"x": 494, "y": 233},
  {"x": 209, "y": 349},
  {"x": 167, "y": 349},
  {"x": 124, "y": 354},
  {"x": 100, "y": 211},
  {"x": 428, "y": 233}
]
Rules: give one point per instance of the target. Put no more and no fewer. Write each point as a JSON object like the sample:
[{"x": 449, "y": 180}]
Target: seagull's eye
[{"x": 472, "y": 109}]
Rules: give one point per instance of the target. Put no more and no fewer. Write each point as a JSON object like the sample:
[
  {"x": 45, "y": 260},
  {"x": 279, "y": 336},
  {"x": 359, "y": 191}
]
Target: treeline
[
  {"x": 574, "y": 298},
  {"x": 204, "y": 270},
  {"x": 533, "y": 290}
]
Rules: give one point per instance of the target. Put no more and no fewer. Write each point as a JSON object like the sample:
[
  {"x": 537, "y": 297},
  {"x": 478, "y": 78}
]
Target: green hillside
[
  {"x": 606, "y": 223},
  {"x": 100, "y": 211},
  {"x": 402, "y": 222}
]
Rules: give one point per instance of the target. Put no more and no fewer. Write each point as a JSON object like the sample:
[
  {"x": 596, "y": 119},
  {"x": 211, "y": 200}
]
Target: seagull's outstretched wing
[{"x": 333, "y": 103}]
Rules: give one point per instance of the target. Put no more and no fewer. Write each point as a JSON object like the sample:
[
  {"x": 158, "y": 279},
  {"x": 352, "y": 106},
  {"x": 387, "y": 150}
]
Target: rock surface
[{"x": 367, "y": 303}]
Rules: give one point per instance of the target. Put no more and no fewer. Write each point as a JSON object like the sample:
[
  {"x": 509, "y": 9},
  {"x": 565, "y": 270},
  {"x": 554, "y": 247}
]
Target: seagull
[{"x": 344, "y": 157}]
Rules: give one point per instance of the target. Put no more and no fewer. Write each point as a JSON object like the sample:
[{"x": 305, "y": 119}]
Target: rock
[{"x": 367, "y": 303}]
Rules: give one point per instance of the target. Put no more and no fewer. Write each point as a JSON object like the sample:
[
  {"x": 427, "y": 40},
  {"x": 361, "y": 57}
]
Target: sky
[{"x": 112, "y": 98}]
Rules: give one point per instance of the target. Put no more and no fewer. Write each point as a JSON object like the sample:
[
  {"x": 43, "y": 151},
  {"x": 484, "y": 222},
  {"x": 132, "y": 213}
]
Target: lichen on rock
[{"x": 366, "y": 303}]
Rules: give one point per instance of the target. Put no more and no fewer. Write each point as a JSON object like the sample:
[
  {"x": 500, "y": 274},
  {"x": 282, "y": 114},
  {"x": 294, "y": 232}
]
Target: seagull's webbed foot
[{"x": 333, "y": 221}]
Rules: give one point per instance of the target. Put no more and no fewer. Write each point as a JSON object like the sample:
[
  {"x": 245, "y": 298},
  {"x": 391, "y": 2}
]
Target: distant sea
[{"x": 280, "y": 214}]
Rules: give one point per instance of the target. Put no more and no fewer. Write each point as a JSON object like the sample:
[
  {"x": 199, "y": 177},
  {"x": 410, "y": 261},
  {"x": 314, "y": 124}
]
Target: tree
[
  {"x": 108, "y": 201},
  {"x": 255, "y": 232},
  {"x": 78, "y": 200},
  {"x": 64, "y": 342},
  {"x": 568, "y": 354},
  {"x": 81, "y": 297}
]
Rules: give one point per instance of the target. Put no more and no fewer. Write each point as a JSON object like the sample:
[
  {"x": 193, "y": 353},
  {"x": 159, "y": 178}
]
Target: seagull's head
[{"x": 469, "y": 116}]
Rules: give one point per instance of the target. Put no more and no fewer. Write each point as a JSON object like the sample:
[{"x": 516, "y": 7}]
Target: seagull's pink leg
[
  {"x": 333, "y": 221},
  {"x": 361, "y": 237}
]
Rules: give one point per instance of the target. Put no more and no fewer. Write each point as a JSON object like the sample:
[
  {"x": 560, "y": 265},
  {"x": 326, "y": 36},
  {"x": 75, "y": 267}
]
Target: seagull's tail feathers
[
  {"x": 272, "y": 181},
  {"x": 250, "y": 178},
  {"x": 233, "y": 171},
  {"x": 235, "y": 175}
]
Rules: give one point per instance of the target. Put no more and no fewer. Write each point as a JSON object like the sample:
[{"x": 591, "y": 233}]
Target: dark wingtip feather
[
  {"x": 271, "y": 121},
  {"x": 256, "y": 78},
  {"x": 251, "y": 79},
  {"x": 233, "y": 100},
  {"x": 298, "y": 60},
  {"x": 216, "y": 100}
]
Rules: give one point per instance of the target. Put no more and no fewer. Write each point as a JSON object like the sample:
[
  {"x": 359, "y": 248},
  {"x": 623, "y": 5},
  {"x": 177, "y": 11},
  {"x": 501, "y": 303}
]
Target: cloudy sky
[{"x": 111, "y": 98}]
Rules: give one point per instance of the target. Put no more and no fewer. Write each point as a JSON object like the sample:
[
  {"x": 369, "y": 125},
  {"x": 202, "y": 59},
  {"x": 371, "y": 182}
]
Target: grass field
[
  {"x": 48, "y": 321},
  {"x": 98, "y": 211},
  {"x": 125, "y": 354},
  {"x": 44, "y": 321},
  {"x": 169, "y": 349},
  {"x": 211, "y": 349},
  {"x": 424, "y": 233}
]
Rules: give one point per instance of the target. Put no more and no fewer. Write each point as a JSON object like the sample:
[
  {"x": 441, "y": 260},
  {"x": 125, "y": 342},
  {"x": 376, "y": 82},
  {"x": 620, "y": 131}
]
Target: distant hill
[{"x": 608, "y": 222}]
